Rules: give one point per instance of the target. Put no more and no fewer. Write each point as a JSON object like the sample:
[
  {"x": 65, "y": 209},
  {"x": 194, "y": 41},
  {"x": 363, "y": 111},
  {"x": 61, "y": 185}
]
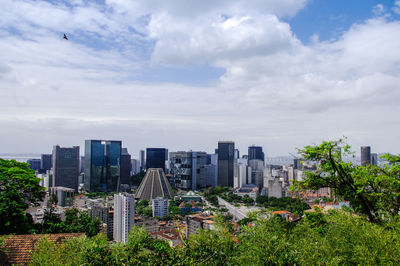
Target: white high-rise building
[
  {"x": 160, "y": 207},
  {"x": 242, "y": 173},
  {"x": 124, "y": 213}
]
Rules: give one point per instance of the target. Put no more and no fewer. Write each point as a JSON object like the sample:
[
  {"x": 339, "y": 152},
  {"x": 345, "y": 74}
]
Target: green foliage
[
  {"x": 371, "y": 190},
  {"x": 19, "y": 187},
  {"x": 211, "y": 194},
  {"x": 147, "y": 211},
  {"x": 175, "y": 210},
  {"x": 93, "y": 195},
  {"x": 319, "y": 239},
  {"x": 75, "y": 222},
  {"x": 142, "y": 208},
  {"x": 293, "y": 205}
]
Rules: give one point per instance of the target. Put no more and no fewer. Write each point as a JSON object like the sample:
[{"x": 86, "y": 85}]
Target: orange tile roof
[
  {"x": 281, "y": 212},
  {"x": 18, "y": 248}
]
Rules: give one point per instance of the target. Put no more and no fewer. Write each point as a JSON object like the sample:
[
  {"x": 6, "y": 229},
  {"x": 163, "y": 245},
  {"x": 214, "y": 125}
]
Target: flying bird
[{"x": 65, "y": 37}]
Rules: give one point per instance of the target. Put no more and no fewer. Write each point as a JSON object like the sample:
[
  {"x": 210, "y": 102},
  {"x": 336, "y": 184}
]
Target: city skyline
[{"x": 185, "y": 75}]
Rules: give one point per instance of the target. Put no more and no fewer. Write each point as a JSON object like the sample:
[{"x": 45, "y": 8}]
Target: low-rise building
[
  {"x": 198, "y": 221},
  {"x": 65, "y": 196},
  {"x": 191, "y": 196},
  {"x": 18, "y": 249},
  {"x": 170, "y": 235},
  {"x": 105, "y": 215},
  {"x": 247, "y": 189}
]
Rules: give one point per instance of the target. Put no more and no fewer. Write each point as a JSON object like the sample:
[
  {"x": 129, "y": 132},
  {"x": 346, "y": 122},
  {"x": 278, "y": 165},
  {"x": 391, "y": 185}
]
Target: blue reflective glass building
[
  {"x": 156, "y": 157},
  {"x": 102, "y": 165}
]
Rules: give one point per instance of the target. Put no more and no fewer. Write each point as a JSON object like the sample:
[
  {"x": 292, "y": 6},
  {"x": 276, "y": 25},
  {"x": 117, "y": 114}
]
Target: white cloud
[
  {"x": 396, "y": 7},
  {"x": 211, "y": 39},
  {"x": 276, "y": 91},
  {"x": 379, "y": 9}
]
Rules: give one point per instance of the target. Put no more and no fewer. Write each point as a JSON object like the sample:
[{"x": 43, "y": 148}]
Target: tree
[
  {"x": 175, "y": 210},
  {"x": 371, "y": 190},
  {"x": 147, "y": 211},
  {"x": 19, "y": 187}
]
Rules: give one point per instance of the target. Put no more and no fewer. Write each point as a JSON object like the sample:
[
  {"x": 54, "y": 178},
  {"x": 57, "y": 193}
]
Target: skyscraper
[
  {"x": 34, "y": 164},
  {"x": 225, "y": 163},
  {"x": 374, "y": 159},
  {"x": 124, "y": 216},
  {"x": 255, "y": 153},
  {"x": 126, "y": 167},
  {"x": 142, "y": 162},
  {"x": 66, "y": 167},
  {"x": 186, "y": 168},
  {"x": 102, "y": 165},
  {"x": 365, "y": 155},
  {"x": 46, "y": 162},
  {"x": 156, "y": 157}
]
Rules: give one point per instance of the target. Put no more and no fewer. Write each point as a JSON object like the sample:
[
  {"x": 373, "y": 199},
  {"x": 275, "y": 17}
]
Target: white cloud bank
[{"x": 275, "y": 92}]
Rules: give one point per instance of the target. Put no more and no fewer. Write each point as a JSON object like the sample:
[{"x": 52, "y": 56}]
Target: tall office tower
[
  {"x": 34, "y": 164},
  {"x": 237, "y": 154},
  {"x": 135, "y": 167},
  {"x": 126, "y": 167},
  {"x": 46, "y": 163},
  {"x": 365, "y": 155},
  {"x": 225, "y": 163},
  {"x": 296, "y": 163},
  {"x": 208, "y": 176},
  {"x": 374, "y": 159},
  {"x": 142, "y": 160},
  {"x": 185, "y": 168},
  {"x": 82, "y": 164},
  {"x": 66, "y": 167},
  {"x": 255, "y": 153},
  {"x": 156, "y": 157},
  {"x": 257, "y": 170},
  {"x": 102, "y": 165},
  {"x": 154, "y": 184},
  {"x": 124, "y": 216},
  {"x": 160, "y": 207},
  {"x": 242, "y": 172}
]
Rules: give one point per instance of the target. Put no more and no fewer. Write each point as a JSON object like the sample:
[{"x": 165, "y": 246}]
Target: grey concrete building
[
  {"x": 142, "y": 162},
  {"x": 66, "y": 167},
  {"x": 374, "y": 159},
  {"x": 106, "y": 215},
  {"x": 275, "y": 188},
  {"x": 186, "y": 169},
  {"x": 365, "y": 155}
]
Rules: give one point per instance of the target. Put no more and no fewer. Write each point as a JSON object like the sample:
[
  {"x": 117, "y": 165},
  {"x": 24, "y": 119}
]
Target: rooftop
[{"x": 19, "y": 248}]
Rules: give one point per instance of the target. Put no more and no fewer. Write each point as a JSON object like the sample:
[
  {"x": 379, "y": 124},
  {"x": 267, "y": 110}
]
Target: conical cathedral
[{"x": 154, "y": 184}]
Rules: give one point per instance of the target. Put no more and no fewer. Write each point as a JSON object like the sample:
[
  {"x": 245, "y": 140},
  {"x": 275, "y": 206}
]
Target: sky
[{"x": 184, "y": 74}]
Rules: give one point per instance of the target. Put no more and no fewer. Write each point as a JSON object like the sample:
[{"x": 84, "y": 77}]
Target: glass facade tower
[
  {"x": 225, "y": 163},
  {"x": 102, "y": 165},
  {"x": 255, "y": 153},
  {"x": 156, "y": 157}
]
